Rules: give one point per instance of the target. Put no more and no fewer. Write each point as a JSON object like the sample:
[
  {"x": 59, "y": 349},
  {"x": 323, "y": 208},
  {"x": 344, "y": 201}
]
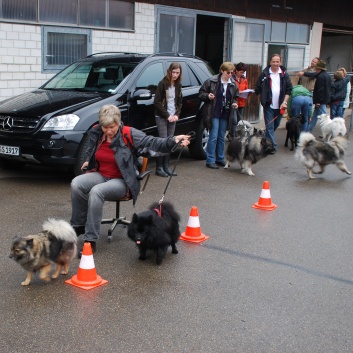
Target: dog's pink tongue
[{"x": 138, "y": 242}]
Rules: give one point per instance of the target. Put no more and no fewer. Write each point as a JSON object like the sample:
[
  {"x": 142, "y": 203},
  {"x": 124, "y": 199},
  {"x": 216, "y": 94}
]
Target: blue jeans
[
  {"x": 321, "y": 109},
  {"x": 272, "y": 121},
  {"x": 304, "y": 105},
  {"x": 215, "y": 145},
  {"x": 88, "y": 193},
  {"x": 336, "y": 110}
]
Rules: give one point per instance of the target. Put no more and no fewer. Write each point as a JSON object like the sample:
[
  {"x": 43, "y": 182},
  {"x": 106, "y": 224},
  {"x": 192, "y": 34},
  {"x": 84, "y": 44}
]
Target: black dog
[
  {"x": 294, "y": 127},
  {"x": 155, "y": 229}
]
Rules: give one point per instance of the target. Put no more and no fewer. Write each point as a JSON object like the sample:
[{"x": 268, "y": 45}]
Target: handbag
[{"x": 205, "y": 116}]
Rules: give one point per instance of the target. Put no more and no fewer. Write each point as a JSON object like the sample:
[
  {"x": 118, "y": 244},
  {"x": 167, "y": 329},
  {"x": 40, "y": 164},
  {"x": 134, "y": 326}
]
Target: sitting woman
[{"x": 112, "y": 171}]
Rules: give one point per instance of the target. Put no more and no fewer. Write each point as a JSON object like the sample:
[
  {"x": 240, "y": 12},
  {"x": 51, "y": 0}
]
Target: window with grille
[{"x": 62, "y": 47}]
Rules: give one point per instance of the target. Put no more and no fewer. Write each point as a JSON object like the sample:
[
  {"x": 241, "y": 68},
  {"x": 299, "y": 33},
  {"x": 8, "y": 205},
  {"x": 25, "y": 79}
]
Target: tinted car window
[
  {"x": 204, "y": 71},
  {"x": 194, "y": 81},
  {"x": 150, "y": 77}
]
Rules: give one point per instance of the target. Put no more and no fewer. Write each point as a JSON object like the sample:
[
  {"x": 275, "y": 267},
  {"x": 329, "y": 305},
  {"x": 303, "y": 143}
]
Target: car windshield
[{"x": 96, "y": 76}]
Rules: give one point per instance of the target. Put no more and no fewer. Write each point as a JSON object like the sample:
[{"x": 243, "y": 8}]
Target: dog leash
[
  {"x": 272, "y": 120},
  {"x": 192, "y": 135}
]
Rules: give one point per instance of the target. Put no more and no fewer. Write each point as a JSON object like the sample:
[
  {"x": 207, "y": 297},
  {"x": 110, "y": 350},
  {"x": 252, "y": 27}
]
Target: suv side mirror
[{"x": 144, "y": 94}]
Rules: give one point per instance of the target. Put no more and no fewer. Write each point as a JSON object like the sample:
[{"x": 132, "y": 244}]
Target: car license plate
[{"x": 13, "y": 151}]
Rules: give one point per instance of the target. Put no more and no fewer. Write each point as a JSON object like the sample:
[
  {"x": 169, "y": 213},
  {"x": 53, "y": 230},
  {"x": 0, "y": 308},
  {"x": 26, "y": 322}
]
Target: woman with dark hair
[
  {"x": 167, "y": 103},
  {"x": 242, "y": 82}
]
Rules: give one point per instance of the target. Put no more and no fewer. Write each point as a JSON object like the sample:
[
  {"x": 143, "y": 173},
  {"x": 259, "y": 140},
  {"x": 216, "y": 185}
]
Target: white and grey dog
[
  {"x": 248, "y": 150},
  {"x": 312, "y": 152},
  {"x": 331, "y": 128}
]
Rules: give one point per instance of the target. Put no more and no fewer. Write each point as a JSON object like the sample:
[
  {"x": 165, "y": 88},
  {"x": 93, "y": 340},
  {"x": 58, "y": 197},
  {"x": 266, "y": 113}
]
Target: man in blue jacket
[
  {"x": 274, "y": 87},
  {"x": 321, "y": 93}
]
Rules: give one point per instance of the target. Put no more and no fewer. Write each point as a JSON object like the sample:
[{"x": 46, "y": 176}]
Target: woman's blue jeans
[
  {"x": 336, "y": 110},
  {"x": 88, "y": 193},
  {"x": 216, "y": 141},
  {"x": 304, "y": 105}
]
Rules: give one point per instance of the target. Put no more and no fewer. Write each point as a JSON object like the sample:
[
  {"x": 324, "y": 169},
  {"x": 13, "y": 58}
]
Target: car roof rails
[
  {"x": 174, "y": 54},
  {"x": 177, "y": 55},
  {"x": 114, "y": 53}
]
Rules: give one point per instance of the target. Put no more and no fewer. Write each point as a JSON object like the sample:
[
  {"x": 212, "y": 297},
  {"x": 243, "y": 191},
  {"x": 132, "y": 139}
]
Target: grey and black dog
[
  {"x": 249, "y": 150},
  {"x": 311, "y": 152}
]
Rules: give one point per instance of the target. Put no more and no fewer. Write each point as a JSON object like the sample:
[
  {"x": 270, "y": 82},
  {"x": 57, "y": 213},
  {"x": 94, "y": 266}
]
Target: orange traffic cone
[
  {"x": 193, "y": 229},
  {"x": 86, "y": 277},
  {"x": 265, "y": 201}
]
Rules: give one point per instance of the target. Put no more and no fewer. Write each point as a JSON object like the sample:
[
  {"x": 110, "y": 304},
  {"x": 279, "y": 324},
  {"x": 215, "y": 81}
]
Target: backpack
[
  {"x": 126, "y": 133},
  {"x": 127, "y": 137}
]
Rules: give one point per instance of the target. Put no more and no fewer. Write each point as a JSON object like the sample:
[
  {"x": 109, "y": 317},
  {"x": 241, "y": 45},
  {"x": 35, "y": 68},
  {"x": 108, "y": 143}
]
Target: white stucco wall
[{"x": 21, "y": 49}]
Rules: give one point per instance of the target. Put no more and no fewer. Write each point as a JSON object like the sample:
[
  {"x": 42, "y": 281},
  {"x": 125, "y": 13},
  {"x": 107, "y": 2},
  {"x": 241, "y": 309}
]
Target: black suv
[{"x": 48, "y": 126}]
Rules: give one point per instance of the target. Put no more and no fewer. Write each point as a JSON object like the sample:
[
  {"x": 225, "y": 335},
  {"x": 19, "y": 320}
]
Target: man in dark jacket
[
  {"x": 274, "y": 87},
  {"x": 321, "y": 93}
]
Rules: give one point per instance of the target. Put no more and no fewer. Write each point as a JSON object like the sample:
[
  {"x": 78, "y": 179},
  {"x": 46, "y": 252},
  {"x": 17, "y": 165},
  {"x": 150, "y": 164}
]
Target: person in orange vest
[{"x": 237, "y": 114}]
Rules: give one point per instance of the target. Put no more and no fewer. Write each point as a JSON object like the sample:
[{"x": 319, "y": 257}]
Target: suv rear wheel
[{"x": 197, "y": 148}]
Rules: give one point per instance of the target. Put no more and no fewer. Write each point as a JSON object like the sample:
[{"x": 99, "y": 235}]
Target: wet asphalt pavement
[{"x": 279, "y": 281}]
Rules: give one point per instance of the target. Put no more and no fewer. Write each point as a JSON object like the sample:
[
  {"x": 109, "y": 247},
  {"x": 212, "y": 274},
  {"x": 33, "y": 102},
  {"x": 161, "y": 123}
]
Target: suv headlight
[{"x": 62, "y": 122}]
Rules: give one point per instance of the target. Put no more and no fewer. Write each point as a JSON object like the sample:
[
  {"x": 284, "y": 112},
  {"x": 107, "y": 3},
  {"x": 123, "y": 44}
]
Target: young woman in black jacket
[{"x": 168, "y": 102}]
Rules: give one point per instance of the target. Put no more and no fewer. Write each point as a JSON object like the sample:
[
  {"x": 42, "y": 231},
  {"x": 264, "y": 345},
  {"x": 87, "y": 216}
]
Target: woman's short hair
[
  {"x": 343, "y": 70},
  {"x": 338, "y": 75},
  {"x": 109, "y": 114},
  {"x": 240, "y": 67},
  {"x": 174, "y": 66},
  {"x": 226, "y": 66}
]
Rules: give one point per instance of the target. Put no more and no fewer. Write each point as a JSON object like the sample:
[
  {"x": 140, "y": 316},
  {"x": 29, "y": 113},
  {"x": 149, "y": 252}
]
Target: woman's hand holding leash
[
  {"x": 183, "y": 140},
  {"x": 84, "y": 167}
]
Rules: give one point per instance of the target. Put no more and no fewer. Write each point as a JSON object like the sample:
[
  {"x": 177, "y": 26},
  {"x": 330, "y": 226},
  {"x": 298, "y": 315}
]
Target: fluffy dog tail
[
  {"x": 305, "y": 139},
  {"x": 60, "y": 229},
  {"x": 338, "y": 127}
]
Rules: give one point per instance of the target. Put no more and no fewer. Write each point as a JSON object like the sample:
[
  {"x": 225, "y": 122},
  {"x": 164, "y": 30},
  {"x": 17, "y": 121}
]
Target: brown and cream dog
[{"x": 57, "y": 242}]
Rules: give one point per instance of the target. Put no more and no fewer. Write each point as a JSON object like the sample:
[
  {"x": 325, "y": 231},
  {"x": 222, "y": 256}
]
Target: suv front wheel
[{"x": 81, "y": 155}]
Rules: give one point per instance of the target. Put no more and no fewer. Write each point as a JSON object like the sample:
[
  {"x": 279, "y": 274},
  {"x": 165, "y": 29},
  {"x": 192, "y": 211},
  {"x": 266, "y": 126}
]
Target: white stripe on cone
[
  {"x": 194, "y": 222},
  {"x": 87, "y": 262},
  {"x": 265, "y": 194}
]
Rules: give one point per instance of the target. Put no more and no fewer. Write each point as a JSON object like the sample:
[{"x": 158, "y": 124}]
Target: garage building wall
[{"x": 21, "y": 49}]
